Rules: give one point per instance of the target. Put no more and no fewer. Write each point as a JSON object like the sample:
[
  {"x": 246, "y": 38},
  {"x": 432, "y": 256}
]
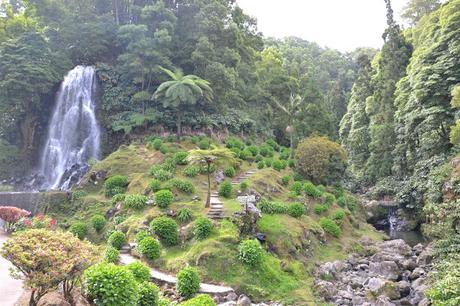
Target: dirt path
[{"x": 10, "y": 289}]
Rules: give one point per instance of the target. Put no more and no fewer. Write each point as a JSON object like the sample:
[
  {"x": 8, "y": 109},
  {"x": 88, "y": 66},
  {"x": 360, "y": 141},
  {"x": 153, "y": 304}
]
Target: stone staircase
[
  {"x": 216, "y": 209},
  {"x": 243, "y": 176}
]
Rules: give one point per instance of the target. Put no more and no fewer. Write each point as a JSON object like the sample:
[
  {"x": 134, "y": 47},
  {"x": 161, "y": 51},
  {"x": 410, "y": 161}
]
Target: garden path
[{"x": 10, "y": 288}]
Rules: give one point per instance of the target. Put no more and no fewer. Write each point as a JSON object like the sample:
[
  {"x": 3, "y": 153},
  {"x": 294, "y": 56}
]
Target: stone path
[
  {"x": 216, "y": 209},
  {"x": 243, "y": 176},
  {"x": 167, "y": 278},
  {"x": 10, "y": 288}
]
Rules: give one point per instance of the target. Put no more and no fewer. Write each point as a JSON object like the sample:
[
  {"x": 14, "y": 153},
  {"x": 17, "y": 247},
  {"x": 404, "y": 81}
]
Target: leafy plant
[
  {"x": 330, "y": 227},
  {"x": 297, "y": 187},
  {"x": 311, "y": 190},
  {"x": 188, "y": 282},
  {"x": 118, "y": 220},
  {"x": 117, "y": 198},
  {"x": 296, "y": 210},
  {"x": 11, "y": 215},
  {"x": 229, "y": 172},
  {"x": 164, "y": 198},
  {"x": 166, "y": 229},
  {"x": 319, "y": 208},
  {"x": 184, "y": 186},
  {"x": 338, "y": 215},
  {"x": 225, "y": 190},
  {"x": 204, "y": 144},
  {"x": 117, "y": 240},
  {"x": 233, "y": 142},
  {"x": 260, "y": 165},
  {"x": 285, "y": 180},
  {"x": 135, "y": 201},
  {"x": 140, "y": 271},
  {"x": 149, "y": 294},
  {"x": 329, "y": 198},
  {"x": 155, "y": 185},
  {"x": 149, "y": 247},
  {"x": 79, "y": 229},
  {"x": 180, "y": 158},
  {"x": 271, "y": 208},
  {"x": 115, "y": 185},
  {"x": 202, "y": 228},
  {"x": 141, "y": 235},
  {"x": 254, "y": 150},
  {"x": 160, "y": 174},
  {"x": 191, "y": 171},
  {"x": 250, "y": 252},
  {"x": 244, "y": 185},
  {"x": 111, "y": 255},
  {"x": 157, "y": 143},
  {"x": 199, "y": 300},
  {"x": 98, "y": 222},
  {"x": 184, "y": 215}
]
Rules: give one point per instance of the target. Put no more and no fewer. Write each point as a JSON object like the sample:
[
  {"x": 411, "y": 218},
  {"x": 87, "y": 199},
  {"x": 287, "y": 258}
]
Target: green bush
[
  {"x": 79, "y": 229},
  {"x": 296, "y": 210},
  {"x": 169, "y": 164},
  {"x": 225, "y": 190},
  {"x": 233, "y": 142},
  {"x": 140, "y": 271},
  {"x": 250, "y": 252},
  {"x": 115, "y": 184},
  {"x": 202, "y": 228},
  {"x": 260, "y": 165},
  {"x": 265, "y": 150},
  {"x": 236, "y": 151},
  {"x": 298, "y": 177},
  {"x": 164, "y": 149},
  {"x": 258, "y": 158},
  {"x": 157, "y": 143},
  {"x": 135, "y": 201},
  {"x": 291, "y": 164},
  {"x": 149, "y": 247},
  {"x": 268, "y": 162},
  {"x": 244, "y": 185},
  {"x": 191, "y": 171},
  {"x": 330, "y": 227},
  {"x": 120, "y": 197},
  {"x": 118, "y": 220},
  {"x": 246, "y": 155},
  {"x": 111, "y": 255},
  {"x": 285, "y": 153},
  {"x": 204, "y": 169},
  {"x": 278, "y": 165},
  {"x": 166, "y": 229},
  {"x": 272, "y": 208},
  {"x": 149, "y": 294},
  {"x": 195, "y": 139},
  {"x": 230, "y": 172},
  {"x": 188, "y": 282},
  {"x": 272, "y": 143},
  {"x": 184, "y": 186},
  {"x": 141, "y": 235},
  {"x": 107, "y": 285},
  {"x": 117, "y": 240},
  {"x": 285, "y": 180},
  {"x": 254, "y": 150},
  {"x": 338, "y": 215},
  {"x": 329, "y": 199},
  {"x": 160, "y": 174},
  {"x": 180, "y": 158},
  {"x": 98, "y": 222},
  {"x": 155, "y": 185},
  {"x": 163, "y": 198},
  {"x": 199, "y": 300},
  {"x": 77, "y": 195},
  {"x": 184, "y": 215},
  {"x": 297, "y": 188},
  {"x": 204, "y": 144},
  {"x": 319, "y": 209},
  {"x": 311, "y": 190}
]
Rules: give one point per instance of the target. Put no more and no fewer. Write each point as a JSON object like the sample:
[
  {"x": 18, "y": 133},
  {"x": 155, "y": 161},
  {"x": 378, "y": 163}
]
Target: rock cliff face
[{"x": 389, "y": 273}]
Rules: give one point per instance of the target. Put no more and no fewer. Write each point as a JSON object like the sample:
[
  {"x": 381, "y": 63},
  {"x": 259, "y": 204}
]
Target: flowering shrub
[{"x": 11, "y": 215}]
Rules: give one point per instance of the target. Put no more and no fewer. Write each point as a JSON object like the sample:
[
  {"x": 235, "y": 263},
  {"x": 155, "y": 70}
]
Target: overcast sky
[{"x": 339, "y": 24}]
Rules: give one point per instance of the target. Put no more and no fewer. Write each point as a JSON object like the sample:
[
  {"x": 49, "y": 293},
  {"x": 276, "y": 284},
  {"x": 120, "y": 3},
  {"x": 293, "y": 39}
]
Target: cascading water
[{"x": 73, "y": 135}]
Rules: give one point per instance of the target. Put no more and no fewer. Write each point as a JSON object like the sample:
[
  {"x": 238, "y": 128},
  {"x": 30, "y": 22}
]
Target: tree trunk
[
  {"x": 291, "y": 140},
  {"x": 116, "y": 12},
  {"x": 208, "y": 198},
  {"x": 28, "y": 129},
  {"x": 179, "y": 125},
  {"x": 33, "y": 301},
  {"x": 67, "y": 287}
]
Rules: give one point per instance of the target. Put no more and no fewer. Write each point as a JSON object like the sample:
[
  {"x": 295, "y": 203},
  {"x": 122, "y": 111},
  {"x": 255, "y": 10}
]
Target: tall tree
[{"x": 416, "y": 9}]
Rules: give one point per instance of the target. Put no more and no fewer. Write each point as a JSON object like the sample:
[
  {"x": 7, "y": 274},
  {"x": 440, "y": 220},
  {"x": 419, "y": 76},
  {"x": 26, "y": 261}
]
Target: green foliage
[
  {"x": 338, "y": 215},
  {"x": 160, "y": 174},
  {"x": 78, "y": 194},
  {"x": 250, "y": 252},
  {"x": 188, "y": 282},
  {"x": 182, "y": 185},
  {"x": 233, "y": 142},
  {"x": 108, "y": 285},
  {"x": 111, "y": 255},
  {"x": 309, "y": 189},
  {"x": 266, "y": 150},
  {"x": 278, "y": 165},
  {"x": 330, "y": 227},
  {"x": 271, "y": 208},
  {"x": 166, "y": 229},
  {"x": 155, "y": 185},
  {"x": 141, "y": 235},
  {"x": 202, "y": 228},
  {"x": 225, "y": 190},
  {"x": 79, "y": 229},
  {"x": 164, "y": 198},
  {"x": 268, "y": 162},
  {"x": 115, "y": 185},
  {"x": 135, "y": 201},
  {"x": 244, "y": 185},
  {"x": 180, "y": 158},
  {"x": 260, "y": 165},
  {"x": 184, "y": 215},
  {"x": 229, "y": 172},
  {"x": 140, "y": 271},
  {"x": 120, "y": 197},
  {"x": 254, "y": 151},
  {"x": 285, "y": 180},
  {"x": 296, "y": 210},
  {"x": 329, "y": 198},
  {"x": 246, "y": 155},
  {"x": 118, "y": 220},
  {"x": 199, "y": 300},
  {"x": 156, "y": 144},
  {"x": 149, "y": 247},
  {"x": 319, "y": 208},
  {"x": 191, "y": 171},
  {"x": 297, "y": 187},
  {"x": 204, "y": 144},
  {"x": 164, "y": 149},
  {"x": 98, "y": 222},
  {"x": 117, "y": 240},
  {"x": 320, "y": 160},
  {"x": 258, "y": 159},
  {"x": 149, "y": 294},
  {"x": 272, "y": 143}
]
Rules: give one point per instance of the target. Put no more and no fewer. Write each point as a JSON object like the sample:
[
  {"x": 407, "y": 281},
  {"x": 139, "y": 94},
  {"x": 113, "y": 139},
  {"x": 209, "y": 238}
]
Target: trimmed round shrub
[
  {"x": 188, "y": 282},
  {"x": 166, "y": 229},
  {"x": 180, "y": 158},
  {"x": 202, "y": 228},
  {"x": 260, "y": 165},
  {"x": 163, "y": 198},
  {"x": 229, "y": 172},
  {"x": 278, "y": 165},
  {"x": 265, "y": 150},
  {"x": 135, "y": 201},
  {"x": 107, "y": 285},
  {"x": 149, "y": 294},
  {"x": 184, "y": 186},
  {"x": 111, "y": 255},
  {"x": 117, "y": 240},
  {"x": 149, "y": 247},
  {"x": 156, "y": 144},
  {"x": 119, "y": 197},
  {"x": 320, "y": 160},
  {"x": 329, "y": 198},
  {"x": 246, "y": 155},
  {"x": 258, "y": 158},
  {"x": 319, "y": 208},
  {"x": 155, "y": 185},
  {"x": 330, "y": 227},
  {"x": 268, "y": 162},
  {"x": 285, "y": 180},
  {"x": 225, "y": 190},
  {"x": 191, "y": 171},
  {"x": 285, "y": 153},
  {"x": 195, "y": 139},
  {"x": 164, "y": 149},
  {"x": 98, "y": 222},
  {"x": 141, "y": 235},
  {"x": 250, "y": 252},
  {"x": 233, "y": 142},
  {"x": 184, "y": 215},
  {"x": 204, "y": 144},
  {"x": 272, "y": 143},
  {"x": 160, "y": 174},
  {"x": 338, "y": 215},
  {"x": 271, "y": 208},
  {"x": 115, "y": 185},
  {"x": 118, "y": 220},
  {"x": 297, "y": 187},
  {"x": 254, "y": 150},
  {"x": 244, "y": 185},
  {"x": 79, "y": 229},
  {"x": 291, "y": 163},
  {"x": 311, "y": 190},
  {"x": 296, "y": 210},
  {"x": 199, "y": 300},
  {"x": 298, "y": 177},
  {"x": 140, "y": 271}
]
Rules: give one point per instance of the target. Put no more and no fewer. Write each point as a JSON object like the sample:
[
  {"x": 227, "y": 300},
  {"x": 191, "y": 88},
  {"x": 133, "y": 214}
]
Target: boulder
[
  {"x": 386, "y": 269},
  {"x": 403, "y": 288},
  {"x": 426, "y": 256},
  {"x": 418, "y": 272},
  {"x": 375, "y": 284},
  {"x": 243, "y": 301},
  {"x": 397, "y": 246},
  {"x": 326, "y": 289},
  {"x": 232, "y": 296},
  {"x": 53, "y": 299}
]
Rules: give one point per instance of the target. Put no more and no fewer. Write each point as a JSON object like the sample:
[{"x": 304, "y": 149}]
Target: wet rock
[
  {"x": 403, "y": 288},
  {"x": 232, "y": 296},
  {"x": 409, "y": 264},
  {"x": 417, "y": 273},
  {"x": 375, "y": 284},
  {"x": 426, "y": 256},
  {"x": 243, "y": 301},
  {"x": 398, "y": 246},
  {"x": 386, "y": 269}
]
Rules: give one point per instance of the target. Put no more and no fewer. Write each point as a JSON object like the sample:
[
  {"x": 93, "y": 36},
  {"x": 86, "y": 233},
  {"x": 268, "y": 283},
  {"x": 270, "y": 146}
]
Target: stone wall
[{"x": 35, "y": 202}]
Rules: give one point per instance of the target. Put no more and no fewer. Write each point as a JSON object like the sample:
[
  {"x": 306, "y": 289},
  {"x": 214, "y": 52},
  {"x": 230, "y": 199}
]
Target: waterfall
[
  {"x": 73, "y": 135},
  {"x": 392, "y": 221}
]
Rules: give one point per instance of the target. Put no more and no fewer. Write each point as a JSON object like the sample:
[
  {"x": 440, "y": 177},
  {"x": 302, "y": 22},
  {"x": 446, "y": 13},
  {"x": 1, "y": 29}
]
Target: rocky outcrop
[{"x": 391, "y": 274}]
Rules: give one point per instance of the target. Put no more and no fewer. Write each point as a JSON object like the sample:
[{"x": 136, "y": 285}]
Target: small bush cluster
[
  {"x": 254, "y": 150},
  {"x": 329, "y": 198},
  {"x": 268, "y": 162},
  {"x": 155, "y": 185},
  {"x": 296, "y": 210},
  {"x": 244, "y": 185},
  {"x": 272, "y": 208},
  {"x": 233, "y": 142},
  {"x": 272, "y": 143},
  {"x": 229, "y": 172},
  {"x": 117, "y": 240},
  {"x": 204, "y": 144},
  {"x": 285, "y": 180},
  {"x": 149, "y": 294},
  {"x": 311, "y": 190},
  {"x": 149, "y": 247},
  {"x": 279, "y": 165},
  {"x": 155, "y": 144},
  {"x": 199, "y": 300},
  {"x": 166, "y": 229},
  {"x": 111, "y": 255},
  {"x": 160, "y": 174},
  {"x": 115, "y": 185},
  {"x": 330, "y": 227},
  {"x": 266, "y": 151},
  {"x": 180, "y": 158},
  {"x": 202, "y": 228},
  {"x": 79, "y": 229},
  {"x": 191, "y": 171},
  {"x": 184, "y": 215},
  {"x": 141, "y": 235},
  {"x": 250, "y": 252},
  {"x": 338, "y": 215},
  {"x": 98, "y": 222},
  {"x": 120, "y": 197},
  {"x": 319, "y": 209},
  {"x": 182, "y": 185},
  {"x": 135, "y": 201},
  {"x": 296, "y": 188},
  {"x": 225, "y": 190},
  {"x": 260, "y": 165},
  {"x": 140, "y": 271},
  {"x": 188, "y": 282},
  {"x": 164, "y": 198}
]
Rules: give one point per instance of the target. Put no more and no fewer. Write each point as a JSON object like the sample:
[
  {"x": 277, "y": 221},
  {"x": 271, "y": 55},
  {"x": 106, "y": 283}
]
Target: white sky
[{"x": 339, "y": 24}]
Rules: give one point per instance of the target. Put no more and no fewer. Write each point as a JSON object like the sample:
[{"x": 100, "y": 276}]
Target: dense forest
[{"x": 191, "y": 97}]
